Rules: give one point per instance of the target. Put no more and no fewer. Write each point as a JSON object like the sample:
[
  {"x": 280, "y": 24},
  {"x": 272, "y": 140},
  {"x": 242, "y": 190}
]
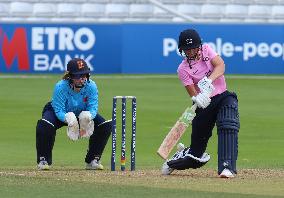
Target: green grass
[
  {"x": 160, "y": 101},
  {"x": 58, "y": 188},
  {"x": 63, "y": 188}
]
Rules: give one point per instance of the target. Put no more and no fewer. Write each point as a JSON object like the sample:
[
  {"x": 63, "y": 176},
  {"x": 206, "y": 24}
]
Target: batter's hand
[
  {"x": 205, "y": 86},
  {"x": 202, "y": 100}
]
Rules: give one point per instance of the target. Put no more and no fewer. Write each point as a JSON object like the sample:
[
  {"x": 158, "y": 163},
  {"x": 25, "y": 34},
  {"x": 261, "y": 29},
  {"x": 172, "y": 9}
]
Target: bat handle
[{"x": 193, "y": 108}]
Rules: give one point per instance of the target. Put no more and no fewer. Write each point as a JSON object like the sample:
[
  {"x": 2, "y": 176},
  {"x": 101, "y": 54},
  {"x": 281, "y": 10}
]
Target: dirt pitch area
[{"x": 248, "y": 181}]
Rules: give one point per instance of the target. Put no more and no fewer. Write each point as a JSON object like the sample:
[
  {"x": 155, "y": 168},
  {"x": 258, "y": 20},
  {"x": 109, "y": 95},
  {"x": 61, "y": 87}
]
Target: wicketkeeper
[
  {"x": 74, "y": 104},
  {"x": 202, "y": 74}
]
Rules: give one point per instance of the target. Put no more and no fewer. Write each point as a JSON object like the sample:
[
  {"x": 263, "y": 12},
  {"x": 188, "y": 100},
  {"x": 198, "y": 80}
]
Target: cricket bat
[{"x": 177, "y": 131}]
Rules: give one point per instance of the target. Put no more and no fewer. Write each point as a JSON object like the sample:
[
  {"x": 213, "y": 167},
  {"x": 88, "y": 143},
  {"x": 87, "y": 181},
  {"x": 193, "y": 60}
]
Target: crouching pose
[
  {"x": 74, "y": 104},
  {"x": 202, "y": 74}
]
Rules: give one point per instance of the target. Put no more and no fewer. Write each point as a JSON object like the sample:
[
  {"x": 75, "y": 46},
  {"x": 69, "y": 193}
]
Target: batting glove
[
  {"x": 205, "y": 86},
  {"x": 202, "y": 100}
]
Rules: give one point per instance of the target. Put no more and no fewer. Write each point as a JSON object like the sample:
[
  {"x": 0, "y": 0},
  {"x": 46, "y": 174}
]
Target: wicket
[{"x": 123, "y": 132}]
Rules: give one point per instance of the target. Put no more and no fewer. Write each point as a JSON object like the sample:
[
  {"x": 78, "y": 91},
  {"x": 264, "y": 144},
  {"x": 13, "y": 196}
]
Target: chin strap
[{"x": 193, "y": 58}]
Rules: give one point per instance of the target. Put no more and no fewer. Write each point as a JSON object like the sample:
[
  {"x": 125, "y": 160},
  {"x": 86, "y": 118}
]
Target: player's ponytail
[{"x": 66, "y": 76}]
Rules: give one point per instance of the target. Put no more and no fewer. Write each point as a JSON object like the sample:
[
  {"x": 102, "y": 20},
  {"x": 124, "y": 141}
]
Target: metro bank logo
[
  {"x": 33, "y": 48},
  {"x": 15, "y": 48}
]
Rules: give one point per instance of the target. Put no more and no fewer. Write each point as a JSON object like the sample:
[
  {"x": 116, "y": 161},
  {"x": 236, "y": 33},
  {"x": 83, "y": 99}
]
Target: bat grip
[{"x": 194, "y": 106}]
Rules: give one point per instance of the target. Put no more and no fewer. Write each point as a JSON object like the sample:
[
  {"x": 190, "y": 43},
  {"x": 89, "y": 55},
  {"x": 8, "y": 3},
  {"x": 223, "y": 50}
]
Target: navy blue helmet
[
  {"x": 77, "y": 67},
  {"x": 189, "y": 39}
]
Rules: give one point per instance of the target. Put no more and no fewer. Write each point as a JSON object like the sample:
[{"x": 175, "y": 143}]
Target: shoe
[
  {"x": 226, "y": 173},
  {"x": 94, "y": 165},
  {"x": 166, "y": 170},
  {"x": 179, "y": 153},
  {"x": 43, "y": 165}
]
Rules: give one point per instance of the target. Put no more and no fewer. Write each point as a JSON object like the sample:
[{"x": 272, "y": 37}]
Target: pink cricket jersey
[{"x": 201, "y": 68}]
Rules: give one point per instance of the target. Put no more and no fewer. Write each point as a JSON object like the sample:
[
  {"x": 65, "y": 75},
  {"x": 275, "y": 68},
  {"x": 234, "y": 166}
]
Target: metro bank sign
[{"x": 39, "y": 49}]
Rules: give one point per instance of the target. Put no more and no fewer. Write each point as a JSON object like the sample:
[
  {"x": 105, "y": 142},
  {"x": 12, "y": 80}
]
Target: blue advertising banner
[
  {"x": 246, "y": 49},
  {"x": 136, "y": 48},
  {"x": 37, "y": 48}
]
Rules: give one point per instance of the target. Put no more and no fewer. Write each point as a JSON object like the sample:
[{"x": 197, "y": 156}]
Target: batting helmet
[
  {"x": 189, "y": 39},
  {"x": 77, "y": 67}
]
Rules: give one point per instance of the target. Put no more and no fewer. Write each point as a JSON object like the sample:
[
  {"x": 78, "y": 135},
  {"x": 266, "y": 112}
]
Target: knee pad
[
  {"x": 45, "y": 138},
  {"x": 186, "y": 160},
  {"x": 227, "y": 128},
  {"x": 228, "y": 117}
]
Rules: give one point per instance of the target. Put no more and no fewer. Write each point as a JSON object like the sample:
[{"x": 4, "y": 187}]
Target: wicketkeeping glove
[
  {"x": 205, "y": 86},
  {"x": 86, "y": 124},
  {"x": 73, "y": 126}
]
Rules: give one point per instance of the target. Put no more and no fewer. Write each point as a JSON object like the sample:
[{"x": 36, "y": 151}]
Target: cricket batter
[
  {"x": 202, "y": 74},
  {"x": 74, "y": 104}
]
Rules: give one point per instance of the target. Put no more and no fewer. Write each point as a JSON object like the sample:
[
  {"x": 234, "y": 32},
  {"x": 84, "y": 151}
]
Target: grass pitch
[{"x": 160, "y": 101}]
